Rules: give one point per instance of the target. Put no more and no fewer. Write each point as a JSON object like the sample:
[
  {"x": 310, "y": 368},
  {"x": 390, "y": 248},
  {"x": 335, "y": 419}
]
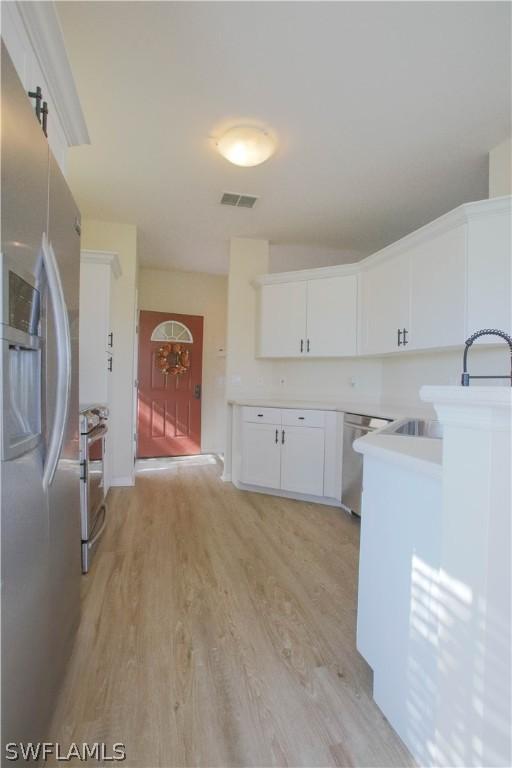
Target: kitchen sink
[{"x": 417, "y": 428}]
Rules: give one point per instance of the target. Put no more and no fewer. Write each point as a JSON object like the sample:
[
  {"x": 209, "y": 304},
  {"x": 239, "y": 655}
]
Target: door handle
[
  {"x": 111, "y": 339},
  {"x": 307, "y": 346},
  {"x": 302, "y": 345},
  {"x": 405, "y": 332},
  {"x": 197, "y": 391},
  {"x": 282, "y": 437},
  {"x": 399, "y": 337},
  {"x": 277, "y": 435},
  {"x": 109, "y": 364},
  {"x": 63, "y": 339}
]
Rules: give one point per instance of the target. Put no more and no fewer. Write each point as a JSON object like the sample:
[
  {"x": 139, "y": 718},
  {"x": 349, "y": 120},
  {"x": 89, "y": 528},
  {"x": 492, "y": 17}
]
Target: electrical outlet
[{"x": 282, "y": 381}]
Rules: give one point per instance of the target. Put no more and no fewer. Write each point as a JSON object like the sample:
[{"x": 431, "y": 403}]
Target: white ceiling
[{"x": 385, "y": 113}]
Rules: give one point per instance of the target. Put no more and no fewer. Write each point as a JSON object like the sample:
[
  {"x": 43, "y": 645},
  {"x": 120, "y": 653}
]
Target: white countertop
[
  {"x": 422, "y": 454},
  {"x": 380, "y": 410},
  {"x": 417, "y": 453}
]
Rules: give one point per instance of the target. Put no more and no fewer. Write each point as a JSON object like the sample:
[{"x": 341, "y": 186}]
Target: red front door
[{"x": 169, "y": 406}]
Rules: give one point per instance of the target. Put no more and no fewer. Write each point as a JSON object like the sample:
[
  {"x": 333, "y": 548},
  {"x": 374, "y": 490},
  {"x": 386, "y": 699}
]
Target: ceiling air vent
[{"x": 239, "y": 201}]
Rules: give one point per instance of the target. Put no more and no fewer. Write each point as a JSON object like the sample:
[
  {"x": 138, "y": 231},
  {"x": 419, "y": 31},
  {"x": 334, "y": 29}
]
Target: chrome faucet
[{"x": 486, "y": 332}]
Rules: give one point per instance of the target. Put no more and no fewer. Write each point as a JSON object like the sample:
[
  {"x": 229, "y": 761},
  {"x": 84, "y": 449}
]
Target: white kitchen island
[{"x": 434, "y": 581}]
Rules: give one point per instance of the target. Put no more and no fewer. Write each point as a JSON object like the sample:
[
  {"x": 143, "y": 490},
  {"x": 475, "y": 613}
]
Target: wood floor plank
[{"x": 218, "y": 629}]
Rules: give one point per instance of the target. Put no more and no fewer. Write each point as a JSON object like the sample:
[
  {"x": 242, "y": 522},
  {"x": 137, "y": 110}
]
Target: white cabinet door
[
  {"x": 261, "y": 460},
  {"x": 438, "y": 291},
  {"x": 29, "y": 71},
  {"x": 302, "y": 460},
  {"x": 93, "y": 329},
  {"x": 489, "y": 264},
  {"x": 282, "y": 320},
  {"x": 332, "y": 317},
  {"x": 385, "y": 305}
]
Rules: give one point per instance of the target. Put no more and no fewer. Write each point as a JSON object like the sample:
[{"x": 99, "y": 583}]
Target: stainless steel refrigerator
[{"x": 39, "y": 442}]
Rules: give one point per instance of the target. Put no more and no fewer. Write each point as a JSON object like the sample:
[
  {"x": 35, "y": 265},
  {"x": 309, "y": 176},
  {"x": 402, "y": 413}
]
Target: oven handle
[
  {"x": 98, "y": 533},
  {"x": 97, "y": 432}
]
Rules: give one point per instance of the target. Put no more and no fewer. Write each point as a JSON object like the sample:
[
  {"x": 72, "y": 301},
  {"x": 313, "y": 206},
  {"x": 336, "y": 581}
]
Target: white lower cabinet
[
  {"x": 261, "y": 460},
  {"x": 302, "y": 460},
  {"x": 290, "y": 450}
]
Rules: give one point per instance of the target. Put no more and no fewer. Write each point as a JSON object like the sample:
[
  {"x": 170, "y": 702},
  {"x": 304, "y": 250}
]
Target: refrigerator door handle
[{"x": 62, "y": 332}]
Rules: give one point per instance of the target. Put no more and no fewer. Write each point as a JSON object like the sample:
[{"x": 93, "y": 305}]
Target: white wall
[
  {"x": 195, "y": 293},
  {"x": 121, "y": 239},
  {"x": 403, "y": 375},
  {"x": 500, "y": 169},
  {"x": 286, "y": 258},
  {"x": 245, "y": 375},
  {"x": 349, "y": 379}
]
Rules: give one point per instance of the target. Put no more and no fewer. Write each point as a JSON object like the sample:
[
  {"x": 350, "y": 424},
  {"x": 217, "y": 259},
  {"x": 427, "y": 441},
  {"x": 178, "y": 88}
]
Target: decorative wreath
[{"x": 173, "y": 359}]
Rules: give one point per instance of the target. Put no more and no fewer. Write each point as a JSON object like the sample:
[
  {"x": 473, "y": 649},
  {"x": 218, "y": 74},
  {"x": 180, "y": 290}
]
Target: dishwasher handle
[{"x": 359, "y": 427}]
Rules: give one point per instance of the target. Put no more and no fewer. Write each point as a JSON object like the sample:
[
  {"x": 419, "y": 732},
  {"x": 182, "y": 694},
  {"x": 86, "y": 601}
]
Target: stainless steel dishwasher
[{"x": 355, "y": 425}]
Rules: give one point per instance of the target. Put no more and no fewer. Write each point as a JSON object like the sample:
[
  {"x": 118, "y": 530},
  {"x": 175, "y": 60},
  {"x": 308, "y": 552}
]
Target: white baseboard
[
  {"x": 290, "y": 495},
  {"x": 122, "y": 481}
]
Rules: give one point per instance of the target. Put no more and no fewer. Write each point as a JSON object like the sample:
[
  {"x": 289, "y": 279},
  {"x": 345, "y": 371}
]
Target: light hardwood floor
[{"x": 218, "y": 629}]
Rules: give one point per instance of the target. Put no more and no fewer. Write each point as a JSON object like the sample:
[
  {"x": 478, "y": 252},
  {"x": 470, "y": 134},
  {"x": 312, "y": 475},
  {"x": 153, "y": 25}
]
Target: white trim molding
[
  {"x": 103, "y": 257},
  {"x": 45, "y": 34},
  {"x": 315, "y": 273},
  {"x": 160, "y": 334},
  {"x": 461, "y": 215}
]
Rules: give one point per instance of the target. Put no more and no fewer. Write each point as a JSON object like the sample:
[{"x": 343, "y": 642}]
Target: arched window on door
[{"x": 172, "y": 330}]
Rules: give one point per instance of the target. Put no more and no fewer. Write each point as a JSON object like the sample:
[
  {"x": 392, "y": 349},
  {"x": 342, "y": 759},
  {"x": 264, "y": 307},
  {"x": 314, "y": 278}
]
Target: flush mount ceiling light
[{"x": 246, "y": 145}]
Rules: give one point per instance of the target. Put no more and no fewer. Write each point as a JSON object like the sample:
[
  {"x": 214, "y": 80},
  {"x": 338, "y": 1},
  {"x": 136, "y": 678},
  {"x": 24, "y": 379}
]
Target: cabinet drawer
[
  {"x": 296, "y": 418},
  {"x": 261, "y": 415}
]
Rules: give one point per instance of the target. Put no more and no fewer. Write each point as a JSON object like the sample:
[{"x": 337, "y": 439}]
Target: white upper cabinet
[
  {"x": 438, "y": 291},
  {"x": 489, "y": 276},
  {"x": 417, "y": 299},
  {"x": 98, "y": 270},
  {"x": 308, "y": 318},
  {"x": 282, "y": 321},
  {"x": 331, "y": 327},
  {"x": 430, "y": 290},
  {"x": 385, "y": 305},
  {"x": 33, "y": 37}
]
